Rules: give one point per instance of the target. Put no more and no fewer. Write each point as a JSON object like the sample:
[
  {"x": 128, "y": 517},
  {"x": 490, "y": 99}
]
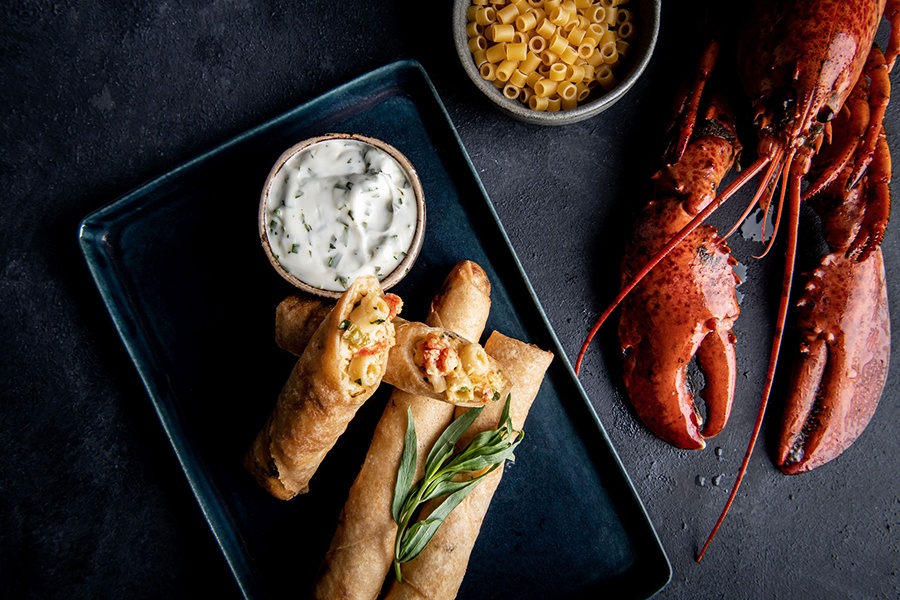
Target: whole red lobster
[{"x": 819, "y": 89}]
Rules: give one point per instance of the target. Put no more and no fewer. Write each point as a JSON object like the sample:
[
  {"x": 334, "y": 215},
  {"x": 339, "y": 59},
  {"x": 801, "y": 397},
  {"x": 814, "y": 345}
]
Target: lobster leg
[
  {"x": 879, "y": 94},
  {"x": 878, "y": 206},
  {"x": 892, "y": 12},
  {"x": 688, "y": 108},
  {"x": 856, "y": 111}
]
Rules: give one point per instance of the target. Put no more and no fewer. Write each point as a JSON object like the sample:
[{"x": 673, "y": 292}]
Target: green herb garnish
[{"x": 447, "y": 473}]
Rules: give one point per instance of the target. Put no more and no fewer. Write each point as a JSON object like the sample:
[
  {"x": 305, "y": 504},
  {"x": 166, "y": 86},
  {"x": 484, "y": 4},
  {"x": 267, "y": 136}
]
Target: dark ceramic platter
[{"x": 180, "y": 268}]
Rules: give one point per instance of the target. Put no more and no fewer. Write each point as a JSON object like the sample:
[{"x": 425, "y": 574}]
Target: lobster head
[{"x": 798, "y": 62}]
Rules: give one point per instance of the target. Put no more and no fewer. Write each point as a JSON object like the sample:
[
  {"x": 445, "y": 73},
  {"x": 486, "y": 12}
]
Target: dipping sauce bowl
[{"x": 338, "y": 206}]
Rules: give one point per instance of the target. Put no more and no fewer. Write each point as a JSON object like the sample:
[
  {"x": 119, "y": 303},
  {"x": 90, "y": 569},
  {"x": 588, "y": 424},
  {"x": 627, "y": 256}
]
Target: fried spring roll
[
  {"x": 438, "y": 571},
  {"x": 338, "y": 371},
  {"x": 362, "y": 548},
  {"x": 432, "y": 361}
]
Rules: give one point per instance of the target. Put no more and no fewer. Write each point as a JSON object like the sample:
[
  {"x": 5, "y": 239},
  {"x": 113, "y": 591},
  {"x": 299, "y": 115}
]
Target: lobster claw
[
  {"x": 683, "y": 309},
  {"x": 839, "y": 376}
]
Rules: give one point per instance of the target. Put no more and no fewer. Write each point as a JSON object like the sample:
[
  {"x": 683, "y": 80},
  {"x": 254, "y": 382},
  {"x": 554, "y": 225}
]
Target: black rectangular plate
[{"x": 179, "y": 265}]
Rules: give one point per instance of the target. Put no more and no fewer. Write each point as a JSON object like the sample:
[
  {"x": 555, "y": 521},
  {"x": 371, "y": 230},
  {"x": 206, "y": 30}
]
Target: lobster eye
[
  {"x": 825, "y": 115},
  {"x": 781, "y": 105},
  {"x": 788, "y": 99}
]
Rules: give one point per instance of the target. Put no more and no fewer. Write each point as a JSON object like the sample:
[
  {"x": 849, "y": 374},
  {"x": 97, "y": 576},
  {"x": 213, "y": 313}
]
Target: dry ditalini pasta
[{"x": 549, "y": 54}]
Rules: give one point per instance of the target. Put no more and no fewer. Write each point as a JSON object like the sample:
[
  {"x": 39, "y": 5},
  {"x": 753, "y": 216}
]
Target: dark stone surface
[{"x": 96, "y": 98}]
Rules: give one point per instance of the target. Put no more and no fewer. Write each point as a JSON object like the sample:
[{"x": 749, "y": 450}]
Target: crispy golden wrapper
[
  {"x": 296, "y": 319},
  {"x": 318, "y": 400},
  {"x": 297, "y": 316}
]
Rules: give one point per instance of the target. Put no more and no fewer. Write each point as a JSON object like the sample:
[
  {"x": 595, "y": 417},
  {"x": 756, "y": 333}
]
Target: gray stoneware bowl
[{"x": 647, "y": 16}]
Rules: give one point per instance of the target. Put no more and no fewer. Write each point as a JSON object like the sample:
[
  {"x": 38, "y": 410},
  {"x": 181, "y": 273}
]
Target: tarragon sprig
[{"x": 447, "y": 472}]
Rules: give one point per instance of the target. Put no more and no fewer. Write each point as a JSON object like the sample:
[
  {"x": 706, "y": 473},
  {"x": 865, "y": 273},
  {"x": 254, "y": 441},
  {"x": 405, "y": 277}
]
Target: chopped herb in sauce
[{"x": 319, "y": 199}]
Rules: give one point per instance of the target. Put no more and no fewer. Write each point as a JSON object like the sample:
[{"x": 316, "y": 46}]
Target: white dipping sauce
[{"x": 340, "y": 209}]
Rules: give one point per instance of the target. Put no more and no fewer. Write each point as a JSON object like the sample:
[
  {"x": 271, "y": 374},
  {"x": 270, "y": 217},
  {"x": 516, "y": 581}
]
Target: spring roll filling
[
  {"x": 364, "y": 338},
  {"x": 459, "y": 368}
]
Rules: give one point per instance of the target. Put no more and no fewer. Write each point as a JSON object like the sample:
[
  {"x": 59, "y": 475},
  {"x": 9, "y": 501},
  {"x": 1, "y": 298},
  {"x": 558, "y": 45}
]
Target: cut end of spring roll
[
  {"x": 339, "y": 369},
  {"x": 440, "y": 364}
]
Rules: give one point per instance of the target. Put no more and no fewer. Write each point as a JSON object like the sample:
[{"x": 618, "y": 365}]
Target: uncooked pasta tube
[
  {"x": 338, "y": 371},
  {"x": 362, "y": 548},
  {"x": 438, "y": 571},
  {"x": 569, "y": 33}
]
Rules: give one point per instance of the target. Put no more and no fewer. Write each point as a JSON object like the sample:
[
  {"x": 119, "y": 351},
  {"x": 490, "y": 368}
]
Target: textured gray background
[{"x": 96, "y": 98}]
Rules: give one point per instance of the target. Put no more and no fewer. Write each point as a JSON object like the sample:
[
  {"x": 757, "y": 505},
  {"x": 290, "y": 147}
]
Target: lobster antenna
[
  {"x": 771, "y": 172},
  {"x": 778, "y": 212},
  {"x": 733, "y": 187},
  {"x": 790, "y": 257}
]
